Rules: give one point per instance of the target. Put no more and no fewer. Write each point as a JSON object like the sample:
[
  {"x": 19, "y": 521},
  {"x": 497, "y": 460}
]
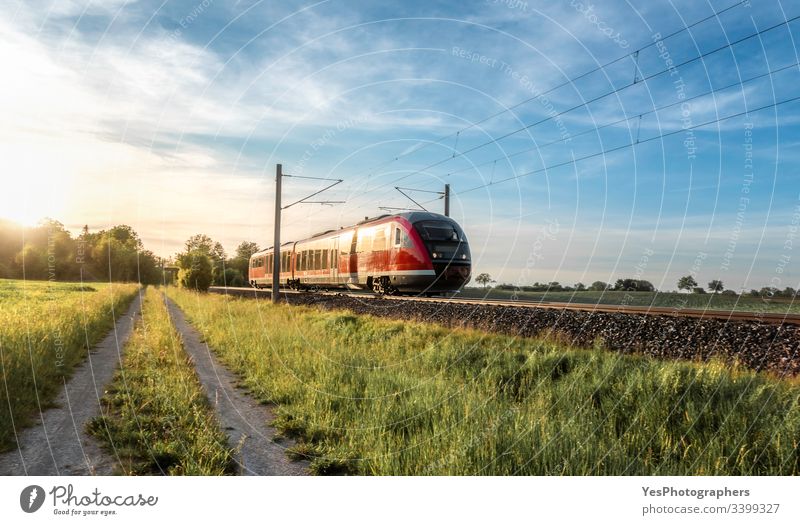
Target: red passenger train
[{"x": 413, "y": 252}]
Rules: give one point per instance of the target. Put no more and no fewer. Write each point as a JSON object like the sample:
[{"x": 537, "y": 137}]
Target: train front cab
[{"x": 432, "y": 255}]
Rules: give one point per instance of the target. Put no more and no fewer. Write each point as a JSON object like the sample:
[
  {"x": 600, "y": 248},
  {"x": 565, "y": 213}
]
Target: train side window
[
  {"x": 406, "y": 242},
  {"x": 397, "y": 236},
  {"x": 379, "y": 240},
  {"x": 364, "y": 243}
]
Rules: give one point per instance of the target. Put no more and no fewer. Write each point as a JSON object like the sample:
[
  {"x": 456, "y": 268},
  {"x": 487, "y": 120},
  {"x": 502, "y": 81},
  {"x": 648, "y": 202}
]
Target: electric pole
[
  {"x": 276, "y": 245},
  {"x": 446, "y": 200}
]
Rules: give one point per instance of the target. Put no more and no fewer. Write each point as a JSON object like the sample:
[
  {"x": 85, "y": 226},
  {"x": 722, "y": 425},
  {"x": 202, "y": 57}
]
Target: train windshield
[
  {"x": 439, "y": 231},
  {"x": 445, "y": 240}
]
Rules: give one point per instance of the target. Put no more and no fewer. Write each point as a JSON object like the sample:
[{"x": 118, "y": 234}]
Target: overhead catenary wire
[
  {"x": 595, "y": 99},
  {"x": 641, "y": 80},
  {"x": 637, "y": 80},
  {"x": 631, "y": 144},
  {"x": 633, "y": 116},
  {"x": 551, "y": 89}
]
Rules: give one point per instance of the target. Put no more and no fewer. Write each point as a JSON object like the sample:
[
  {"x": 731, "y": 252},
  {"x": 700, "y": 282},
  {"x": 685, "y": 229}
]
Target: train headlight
[
  {"x": 434, "y": 255},
  {"x": 464, "y": 256}
]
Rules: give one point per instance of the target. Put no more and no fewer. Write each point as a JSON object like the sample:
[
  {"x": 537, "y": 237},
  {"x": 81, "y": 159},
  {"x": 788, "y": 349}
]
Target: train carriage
[{"x": 413, "y": 252}]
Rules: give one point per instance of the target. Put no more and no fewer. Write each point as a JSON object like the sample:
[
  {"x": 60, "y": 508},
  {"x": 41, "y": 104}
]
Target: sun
[{"x": 35, "y": 183}]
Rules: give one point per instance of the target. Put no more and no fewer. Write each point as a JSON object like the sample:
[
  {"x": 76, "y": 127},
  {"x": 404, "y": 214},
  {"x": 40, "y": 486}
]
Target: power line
[
  {"x": 636, "y": 81},
  {"x": 612, "y": 92},
  {"x": 631, "y": 144},
  {"x": 567, "y": 82},
  {"x": 620, "y": 121}
]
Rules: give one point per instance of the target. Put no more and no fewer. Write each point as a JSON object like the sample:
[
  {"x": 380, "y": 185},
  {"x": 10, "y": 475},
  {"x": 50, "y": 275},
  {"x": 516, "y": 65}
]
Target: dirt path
[
  {"x": 242, "y": 417},
  {"x": 58, "y": 444}
]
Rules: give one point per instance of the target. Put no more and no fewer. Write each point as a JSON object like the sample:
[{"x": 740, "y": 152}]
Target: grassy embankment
[
  {"x": 744, "y": 303},
  {"x": 158, "y": 419},
  {"x": 45, "y": 330},
  {"x": 372, "y": 396}
]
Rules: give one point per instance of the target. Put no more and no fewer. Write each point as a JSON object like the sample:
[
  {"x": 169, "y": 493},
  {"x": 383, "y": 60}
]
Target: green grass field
[
  {"x": 45, "y": 330},
  {"x": 158, "y": 418},
  {"x": 372, "y": 396},
  {"x": 744, "y": 303}
]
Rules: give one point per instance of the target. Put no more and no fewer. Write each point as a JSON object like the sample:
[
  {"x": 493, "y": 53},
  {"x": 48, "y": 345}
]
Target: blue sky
[{"x": 170, "y": 116}]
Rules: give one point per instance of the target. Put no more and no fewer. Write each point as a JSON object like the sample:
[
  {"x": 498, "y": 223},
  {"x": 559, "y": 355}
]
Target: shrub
[{"x": 195, "y": 271}]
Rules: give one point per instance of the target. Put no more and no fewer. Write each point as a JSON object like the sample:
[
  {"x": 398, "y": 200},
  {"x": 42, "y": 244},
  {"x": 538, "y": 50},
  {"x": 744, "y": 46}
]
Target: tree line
[
  {"x": 48, "y": 251},
  {"x": 687, "y": 283},
  {"x": 635, "y": 285}
]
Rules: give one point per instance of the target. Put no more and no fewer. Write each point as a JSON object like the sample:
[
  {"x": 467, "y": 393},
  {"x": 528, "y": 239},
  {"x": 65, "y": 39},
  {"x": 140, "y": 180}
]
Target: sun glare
[{"x": 35, "y": 184}]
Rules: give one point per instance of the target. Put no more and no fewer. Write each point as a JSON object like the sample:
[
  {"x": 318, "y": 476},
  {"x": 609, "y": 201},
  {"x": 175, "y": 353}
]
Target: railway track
[{"x": 720, "y": 315}]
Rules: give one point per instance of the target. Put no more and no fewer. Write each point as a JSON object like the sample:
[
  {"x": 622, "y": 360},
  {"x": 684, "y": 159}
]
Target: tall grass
[
  {"x": 158, "y": 419},
  {"x": 372, "y": 396},
  {"x": 45, "y": 330}
]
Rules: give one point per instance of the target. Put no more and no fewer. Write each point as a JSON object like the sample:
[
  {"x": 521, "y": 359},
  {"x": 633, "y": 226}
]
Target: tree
[
  {"x": 699, "y": 289},
  {"x": 686, "y": 282},
  {"x": 484, "y": 279},
  {"x": 125, "y": 235},
  {"x": 716, "y": 286},
  {"x": 579, "y": 287},
  {"x": 241, "y": 261},
  {"x": 232, "y": 277},
  {"x": 768, "y": 292},
  {"x": 634, "y": 285},
  {"x": 33, "y": 262},
  {"x": 195, "y": 270},
  {"x": 201, "y": 243},
  {"x": 599, "y": 286}
]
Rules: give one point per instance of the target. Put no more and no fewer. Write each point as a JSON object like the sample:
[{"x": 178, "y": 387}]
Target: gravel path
[
  {"x": 58, "y": 444},
  {"x": 243, "y": 418}
]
